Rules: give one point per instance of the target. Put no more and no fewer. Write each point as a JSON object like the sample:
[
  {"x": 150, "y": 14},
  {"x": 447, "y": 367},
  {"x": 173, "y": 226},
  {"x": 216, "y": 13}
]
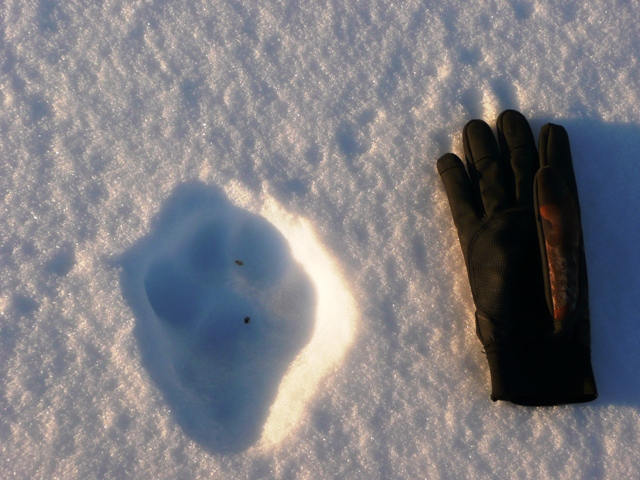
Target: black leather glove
[{"x": 518, "y": 220}]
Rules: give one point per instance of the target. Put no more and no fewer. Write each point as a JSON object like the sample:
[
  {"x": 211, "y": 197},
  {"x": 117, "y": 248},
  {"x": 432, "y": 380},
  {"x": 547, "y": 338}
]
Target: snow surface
[{"x": 300, "y": 138}]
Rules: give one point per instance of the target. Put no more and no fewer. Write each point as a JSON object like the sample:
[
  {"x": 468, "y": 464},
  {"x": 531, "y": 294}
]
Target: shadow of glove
[{"x": 518, "y": 219}]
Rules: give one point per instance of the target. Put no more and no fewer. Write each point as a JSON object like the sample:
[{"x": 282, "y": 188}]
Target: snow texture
[{"x": 146, "y": 145}]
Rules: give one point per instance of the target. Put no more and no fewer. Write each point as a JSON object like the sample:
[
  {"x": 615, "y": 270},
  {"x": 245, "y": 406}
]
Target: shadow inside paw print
[{"x": 221, "y": 311}]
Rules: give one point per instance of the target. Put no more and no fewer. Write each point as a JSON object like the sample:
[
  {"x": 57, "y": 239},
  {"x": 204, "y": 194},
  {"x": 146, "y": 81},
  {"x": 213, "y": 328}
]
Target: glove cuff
[{"x": 547, "y": 373}]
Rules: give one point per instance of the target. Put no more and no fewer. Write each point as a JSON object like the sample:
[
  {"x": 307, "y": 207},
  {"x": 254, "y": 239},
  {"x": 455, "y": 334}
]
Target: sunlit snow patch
[
  {"x": 335, "y": 321},
  {"x": 237, "y": 320}
]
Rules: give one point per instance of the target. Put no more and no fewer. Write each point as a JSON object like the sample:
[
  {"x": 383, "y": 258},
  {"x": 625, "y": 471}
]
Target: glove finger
[
  {"x": 560, "y": 230},
  {"x": 555, "y": 151},
  {"x": 519, "y": 150},
  {"x": 488, "y": 174},
  {"x": 459, "y": 192}
]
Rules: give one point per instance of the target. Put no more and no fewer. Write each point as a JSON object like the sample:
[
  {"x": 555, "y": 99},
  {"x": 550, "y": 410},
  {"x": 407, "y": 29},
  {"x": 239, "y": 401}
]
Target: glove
[{"x": 518, "y": 221}]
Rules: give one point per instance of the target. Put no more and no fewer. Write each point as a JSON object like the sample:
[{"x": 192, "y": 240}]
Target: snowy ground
[{"x": 300, "y": 138}]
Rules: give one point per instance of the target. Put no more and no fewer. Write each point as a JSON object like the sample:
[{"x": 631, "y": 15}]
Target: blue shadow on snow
[{"x": 221, "y": 310}]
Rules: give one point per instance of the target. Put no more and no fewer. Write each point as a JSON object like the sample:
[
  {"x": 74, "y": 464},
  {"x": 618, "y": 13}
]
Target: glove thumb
[{"x": 559, "y": 232}]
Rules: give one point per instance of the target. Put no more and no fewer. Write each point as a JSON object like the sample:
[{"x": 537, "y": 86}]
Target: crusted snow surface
[{"x": 146, "y": 145}]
